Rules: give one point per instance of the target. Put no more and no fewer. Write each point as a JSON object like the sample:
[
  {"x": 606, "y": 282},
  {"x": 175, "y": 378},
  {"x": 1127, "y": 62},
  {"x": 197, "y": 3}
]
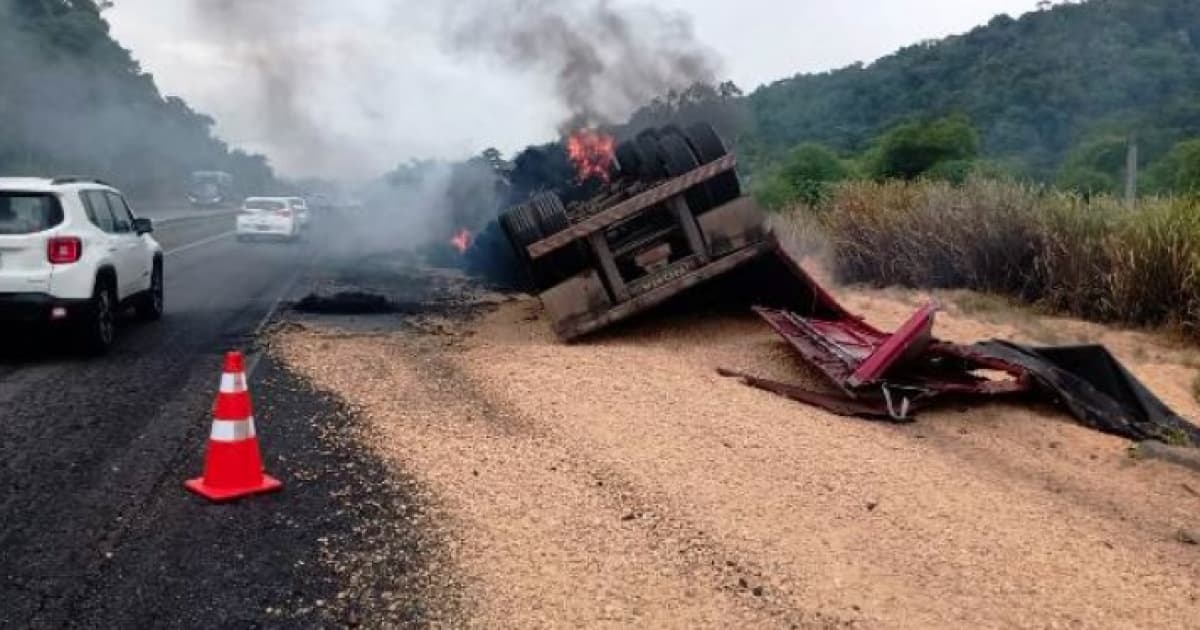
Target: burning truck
[
  {"x": 672, "y": 219},
  {"x": 671, "y": 216}
]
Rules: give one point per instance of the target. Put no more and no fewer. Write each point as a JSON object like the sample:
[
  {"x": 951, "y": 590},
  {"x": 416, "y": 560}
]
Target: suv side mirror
[{"x": 143, "y": 226}]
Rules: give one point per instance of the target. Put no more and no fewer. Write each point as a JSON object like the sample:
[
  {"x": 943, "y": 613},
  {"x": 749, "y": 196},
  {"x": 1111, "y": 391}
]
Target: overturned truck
[
  {"x": 673, "y": 217},
  {"x": 673, "y": 220}
]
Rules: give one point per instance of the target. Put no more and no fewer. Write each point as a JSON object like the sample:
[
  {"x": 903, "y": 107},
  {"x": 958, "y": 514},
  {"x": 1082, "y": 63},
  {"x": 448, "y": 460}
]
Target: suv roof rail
[{"x": 77, "y": 179}]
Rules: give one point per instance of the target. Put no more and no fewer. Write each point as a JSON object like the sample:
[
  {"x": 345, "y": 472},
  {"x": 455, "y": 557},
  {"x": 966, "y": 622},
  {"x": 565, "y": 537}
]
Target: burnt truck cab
[{"x": 674, "y": 218}]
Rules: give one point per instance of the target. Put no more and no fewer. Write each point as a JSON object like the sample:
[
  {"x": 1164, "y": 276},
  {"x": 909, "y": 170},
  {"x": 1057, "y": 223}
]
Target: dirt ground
[{"x": 621, "y": 482}]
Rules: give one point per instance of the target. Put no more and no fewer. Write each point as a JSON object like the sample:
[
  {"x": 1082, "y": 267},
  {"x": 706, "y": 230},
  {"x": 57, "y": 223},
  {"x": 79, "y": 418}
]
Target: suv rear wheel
[
  {"x": 150, "y": 304},
  {"x": 99, "y": 327}
]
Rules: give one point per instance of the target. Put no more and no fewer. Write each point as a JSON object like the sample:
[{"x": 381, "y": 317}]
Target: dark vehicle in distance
[{"x": 211, "y": 189}]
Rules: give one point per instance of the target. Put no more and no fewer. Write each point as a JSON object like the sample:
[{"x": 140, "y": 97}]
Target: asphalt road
[
  {"x": 95, "y": 529},
  {"x": 173, "y": 212}
]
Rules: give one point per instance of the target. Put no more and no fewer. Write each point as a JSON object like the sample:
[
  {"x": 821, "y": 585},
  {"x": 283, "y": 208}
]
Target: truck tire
[
  {"x": 521, "y": 224},
  {"x": 649, "y": 132},
  {"x": 629, "y": 160},
  {"x": 552, "y": 218},
  {"x": 706, "y": 142},
  {"x": 652, "y": 167},
  {"x": 551, "y": 214},
  {"x": 672, "y": 130},
  {"x": 679, "y": 161},
  {"x": 522, "y": 231},
  {"x": 521, "y": 227},
  {"x": 708, "y": 147}
]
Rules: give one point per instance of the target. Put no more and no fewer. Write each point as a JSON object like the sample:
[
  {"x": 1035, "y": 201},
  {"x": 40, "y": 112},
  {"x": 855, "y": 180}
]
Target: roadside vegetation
[
  {"x": 1087, "y": 256},
  {"x": 924, "y": 206}
]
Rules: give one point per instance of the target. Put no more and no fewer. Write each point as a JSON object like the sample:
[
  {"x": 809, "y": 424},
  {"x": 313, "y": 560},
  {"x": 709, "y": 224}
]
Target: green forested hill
[
  {"x": 1034, "y": 87},
  {"x": 72, "y": 100}
]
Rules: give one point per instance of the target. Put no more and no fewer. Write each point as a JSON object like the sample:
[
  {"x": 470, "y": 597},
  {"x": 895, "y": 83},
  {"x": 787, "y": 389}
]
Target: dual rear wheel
[
  {"x": 528, "y": 223},
  {"x": 671, "y": 151}
]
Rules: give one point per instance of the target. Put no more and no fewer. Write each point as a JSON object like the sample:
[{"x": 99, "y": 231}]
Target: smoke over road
[
  {"x": 352, "y": 90},
  {"x": 269, "y": 40},
  {"x": 331, "y": 90}
]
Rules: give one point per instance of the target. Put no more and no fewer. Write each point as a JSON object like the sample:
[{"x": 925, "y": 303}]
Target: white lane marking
[
  {"x": 183, "y": 218},
  {"x": 252, "y": 362},
  {"x": 232, "y": 430},
  {"x": 206, "y": 241}
]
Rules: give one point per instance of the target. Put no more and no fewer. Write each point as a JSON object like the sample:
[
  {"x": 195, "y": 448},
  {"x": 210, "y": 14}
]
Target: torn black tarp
[{"x": 1096, "y": 388}]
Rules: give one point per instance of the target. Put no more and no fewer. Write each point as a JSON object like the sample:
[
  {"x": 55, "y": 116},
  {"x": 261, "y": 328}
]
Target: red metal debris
[
  {"x": 877, "y": 374},
  {"x": 873, "y": 374}
]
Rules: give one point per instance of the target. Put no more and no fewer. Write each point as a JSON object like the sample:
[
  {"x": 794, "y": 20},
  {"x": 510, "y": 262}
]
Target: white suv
[{"x": 72, "y": 253}]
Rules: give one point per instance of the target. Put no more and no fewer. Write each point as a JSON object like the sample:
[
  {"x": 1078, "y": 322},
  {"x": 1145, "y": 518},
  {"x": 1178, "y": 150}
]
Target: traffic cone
[{"x": 232, "y": 465}]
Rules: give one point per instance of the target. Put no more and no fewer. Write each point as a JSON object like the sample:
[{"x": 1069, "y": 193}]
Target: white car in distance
[
  {"x": 267, "y": 217},
  {"x": 300, "y": 208}
]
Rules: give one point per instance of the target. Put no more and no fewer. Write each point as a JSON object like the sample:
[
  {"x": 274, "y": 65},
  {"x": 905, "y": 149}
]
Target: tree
[
  {"x": 1095, "y": 166},
  {"x": 1033, "y": 86},
  {"x": 809, "y": 171},
  {"x": 953, "y": 171},
  {"x": 805, "y": 176},
  {"x": 1086, "y": 181},
  {"x": 723, "y": 106},
  {"x": 75, "y": 101},
  {"x": 495, "y": 159},
  {"x": 912, "y": 149},
  {"x": 1178, "y": 171}
]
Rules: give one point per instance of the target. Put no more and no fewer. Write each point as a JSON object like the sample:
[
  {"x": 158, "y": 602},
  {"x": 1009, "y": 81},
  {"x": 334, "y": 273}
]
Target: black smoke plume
[{"x": 605, "y": 61}]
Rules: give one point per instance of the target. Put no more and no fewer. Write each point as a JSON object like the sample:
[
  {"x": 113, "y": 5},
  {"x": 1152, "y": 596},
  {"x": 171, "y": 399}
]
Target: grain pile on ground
[{"x": 622, "y": 482}]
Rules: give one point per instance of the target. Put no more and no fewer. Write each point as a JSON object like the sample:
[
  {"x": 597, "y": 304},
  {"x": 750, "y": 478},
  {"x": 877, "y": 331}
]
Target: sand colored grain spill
[{"x": 623, "y": 483}]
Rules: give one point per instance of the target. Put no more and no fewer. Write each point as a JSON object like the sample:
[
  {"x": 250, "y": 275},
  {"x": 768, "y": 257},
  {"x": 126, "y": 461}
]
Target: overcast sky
[{"x": 380, "y": 84}]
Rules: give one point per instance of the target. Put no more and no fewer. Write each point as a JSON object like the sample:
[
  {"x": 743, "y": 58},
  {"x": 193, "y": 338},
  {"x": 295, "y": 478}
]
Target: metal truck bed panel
[
  {"x": 580, "y": 326},
  {"x": 858, "y": 358},
  {"x": 630, "y": 207}
]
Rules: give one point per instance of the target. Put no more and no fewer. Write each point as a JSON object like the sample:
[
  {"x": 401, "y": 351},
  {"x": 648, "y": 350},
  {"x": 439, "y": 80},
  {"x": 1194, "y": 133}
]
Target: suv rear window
[
  {"x": 264, "y": 204},
  {"x": 28, "y": 213}
]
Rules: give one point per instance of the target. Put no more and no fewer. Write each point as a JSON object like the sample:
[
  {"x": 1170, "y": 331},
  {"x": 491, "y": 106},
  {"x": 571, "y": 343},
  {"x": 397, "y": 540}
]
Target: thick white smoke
[{"x": 350, "y": 89}]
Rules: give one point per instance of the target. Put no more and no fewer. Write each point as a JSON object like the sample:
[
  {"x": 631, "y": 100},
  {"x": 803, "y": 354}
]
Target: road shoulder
[{"x": 342, "y": 543}]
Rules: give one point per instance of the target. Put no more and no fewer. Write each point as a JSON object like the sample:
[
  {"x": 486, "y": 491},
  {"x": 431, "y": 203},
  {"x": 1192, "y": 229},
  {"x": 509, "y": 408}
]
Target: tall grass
[{"x": 1091, "y": 258}]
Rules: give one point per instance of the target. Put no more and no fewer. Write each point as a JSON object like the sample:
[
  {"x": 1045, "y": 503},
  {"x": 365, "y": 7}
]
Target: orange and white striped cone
[{"x": 232, "y": 465}]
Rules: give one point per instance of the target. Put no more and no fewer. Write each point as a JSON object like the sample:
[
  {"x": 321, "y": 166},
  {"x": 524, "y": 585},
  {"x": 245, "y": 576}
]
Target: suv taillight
[{"x": 64, "y": 250}]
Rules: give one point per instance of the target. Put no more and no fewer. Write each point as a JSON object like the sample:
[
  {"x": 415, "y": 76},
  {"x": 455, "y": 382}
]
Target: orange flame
[
  {"x": 461, "y": 241},
  {"x": 592, "y": 152}
]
